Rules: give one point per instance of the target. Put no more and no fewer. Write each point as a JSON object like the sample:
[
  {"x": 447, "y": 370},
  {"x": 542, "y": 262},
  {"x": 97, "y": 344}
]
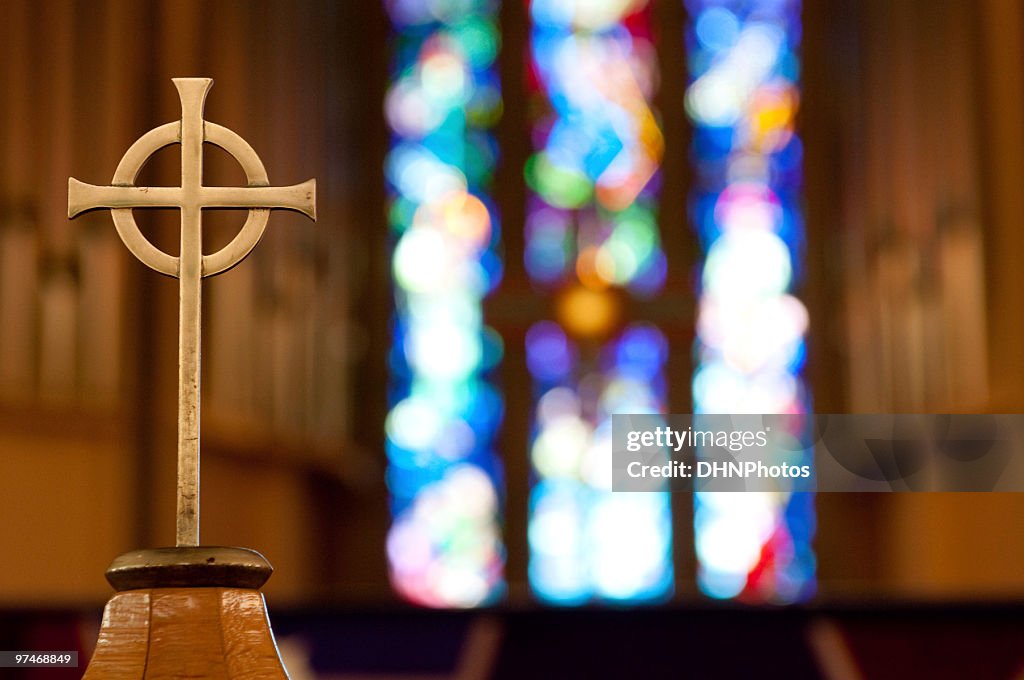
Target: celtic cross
[{"x": 191, "y": 266}]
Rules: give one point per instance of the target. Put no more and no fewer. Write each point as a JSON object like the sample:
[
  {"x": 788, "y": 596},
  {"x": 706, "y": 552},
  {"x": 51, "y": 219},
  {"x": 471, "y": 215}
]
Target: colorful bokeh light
[
  {"x": 594, "y": 174},
  {"x": 445, "y": 479},
  {"x": 587, "y": 543},
  {"x": 591, "y": 228},
  {"x": 743, "y": 100}
]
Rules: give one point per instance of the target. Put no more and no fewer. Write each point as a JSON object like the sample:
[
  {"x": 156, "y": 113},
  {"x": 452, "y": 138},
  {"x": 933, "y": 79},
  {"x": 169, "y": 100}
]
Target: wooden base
[
  {"x": 186, "y": 633},
  {"x": 188, "y": 612}
]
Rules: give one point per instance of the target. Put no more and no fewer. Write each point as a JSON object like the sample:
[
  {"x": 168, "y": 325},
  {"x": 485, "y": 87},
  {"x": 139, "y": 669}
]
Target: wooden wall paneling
[
  {"x": 826, "y": 121},
  {"x": 316, "y": 300},
  {"x": 960, "y": 253},
  {"x": 873, "y": 219},
  {"x": 103, "y": 132},
  {"x": 307, "y": 295},
  {"x": 1000, "y": 45},
  {"x": 330, "y": 241},
  {"x": 18, "y": 256},
  {"x": 366, "y": 258},
  {"x": 931, "y": 127},
  {"x": 18, "y": 274},
  {"x": 288, "y": 262},
  {"x": 832, "y": 122},
  {"x": 926, "y": 268},
  {"x": 358, "y": 269},
  {"x": 306, "y": 141},
  {"x": 58, "y": 293},
  {"x": 900, "y": 257}
]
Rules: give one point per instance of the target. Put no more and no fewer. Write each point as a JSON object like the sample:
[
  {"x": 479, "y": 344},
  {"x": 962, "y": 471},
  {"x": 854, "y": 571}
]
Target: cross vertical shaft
[{"x": 193, "y": 95}]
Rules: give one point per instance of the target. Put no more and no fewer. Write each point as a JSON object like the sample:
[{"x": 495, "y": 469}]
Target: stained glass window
[
  {"x": 742, "y": 101},
  {"x": 593, "y": 249},
  {"x": 444, "y": 476},
  {"x": 592, "y": 244}
]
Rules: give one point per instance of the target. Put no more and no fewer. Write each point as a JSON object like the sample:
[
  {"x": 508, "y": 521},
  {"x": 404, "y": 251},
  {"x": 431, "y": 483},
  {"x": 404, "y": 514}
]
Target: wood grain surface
[{"x": 165, "y": 633}]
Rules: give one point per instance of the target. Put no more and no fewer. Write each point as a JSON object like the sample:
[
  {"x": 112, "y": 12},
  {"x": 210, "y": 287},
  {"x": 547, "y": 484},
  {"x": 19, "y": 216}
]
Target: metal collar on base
[{"x": 189, "y": 567}]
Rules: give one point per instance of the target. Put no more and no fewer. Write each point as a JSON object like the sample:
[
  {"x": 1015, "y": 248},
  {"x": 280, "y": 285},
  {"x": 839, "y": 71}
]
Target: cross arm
[
  {"x": 298, "y": 197},
  {"x": 83, "y": 197}
]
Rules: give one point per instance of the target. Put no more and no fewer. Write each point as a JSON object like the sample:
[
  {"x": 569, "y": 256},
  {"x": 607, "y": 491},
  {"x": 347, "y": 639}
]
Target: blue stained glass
[
  {"x": 591, "y": 226},
  {"x": 445, "y": 479},
  {"x": 742, "y": 100}
]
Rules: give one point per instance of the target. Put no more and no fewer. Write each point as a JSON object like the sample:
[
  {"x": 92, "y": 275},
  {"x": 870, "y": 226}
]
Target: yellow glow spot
[
  {"x": 587, "y": 313},
  {"x": 771, "y": 117}
]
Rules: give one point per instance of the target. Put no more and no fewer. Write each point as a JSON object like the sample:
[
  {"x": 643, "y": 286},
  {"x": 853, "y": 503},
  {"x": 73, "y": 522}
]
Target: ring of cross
[{"x": 132, "y": 163}]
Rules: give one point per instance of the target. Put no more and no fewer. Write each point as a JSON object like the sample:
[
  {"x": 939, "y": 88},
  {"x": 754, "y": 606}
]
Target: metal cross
[{"x": 191, "y": 266}]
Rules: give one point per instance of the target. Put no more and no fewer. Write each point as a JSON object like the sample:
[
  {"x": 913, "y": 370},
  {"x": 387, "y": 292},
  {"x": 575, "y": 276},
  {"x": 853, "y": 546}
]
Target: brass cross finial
[{"x": 191, "y": 266}]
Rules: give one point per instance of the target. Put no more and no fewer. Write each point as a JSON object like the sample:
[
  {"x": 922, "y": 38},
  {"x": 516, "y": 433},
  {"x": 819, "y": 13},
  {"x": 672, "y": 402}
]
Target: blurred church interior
[{"x": 522, "y": 206}]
